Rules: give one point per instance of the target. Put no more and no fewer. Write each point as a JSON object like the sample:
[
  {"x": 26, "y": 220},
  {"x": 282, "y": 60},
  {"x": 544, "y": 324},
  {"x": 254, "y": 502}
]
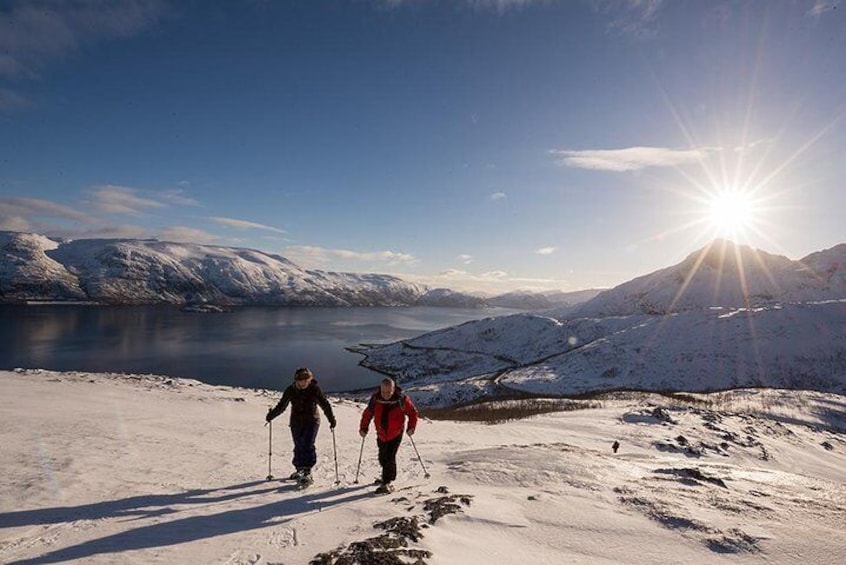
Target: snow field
[{"x": 103, "y": 468}]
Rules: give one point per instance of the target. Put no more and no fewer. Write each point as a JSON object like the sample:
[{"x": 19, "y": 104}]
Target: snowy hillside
[
  {"x": 33, "y": 267},
  {"x": 709, "y": 323},
  {"x": 143, "y": 469}
]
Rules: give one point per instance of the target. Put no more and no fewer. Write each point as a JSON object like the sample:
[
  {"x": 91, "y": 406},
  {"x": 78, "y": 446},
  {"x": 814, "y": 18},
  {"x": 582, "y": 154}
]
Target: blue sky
[{"x": 473, "y": 144}]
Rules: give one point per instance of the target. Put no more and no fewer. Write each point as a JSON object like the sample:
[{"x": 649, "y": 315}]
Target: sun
[{"x": 731, "y": 213}]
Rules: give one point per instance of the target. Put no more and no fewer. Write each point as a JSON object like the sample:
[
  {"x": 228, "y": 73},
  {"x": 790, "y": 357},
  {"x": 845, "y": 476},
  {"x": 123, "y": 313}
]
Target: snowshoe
[{"x": 385, "y": 488}]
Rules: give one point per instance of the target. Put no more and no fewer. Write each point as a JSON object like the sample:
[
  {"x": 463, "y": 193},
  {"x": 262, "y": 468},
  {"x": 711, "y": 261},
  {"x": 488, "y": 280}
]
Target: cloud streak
[
  {"x": 34, "y": 33},
  {"x": 11, "y": 100},
  {"x": 113, "y": 199},
  {"x": 821, "y": 7},
  {"x": 498, "y": 6},
  {"x": 629, "y": 159},
  {"x": 323, "y": 255},
  {"x": 33, "y": 214},
  {"x": 244, "y": 224},
  {"x": 634, "y": 18},
  {"x": 187, "y": 235},
  {"x": 495, "y": 281}
]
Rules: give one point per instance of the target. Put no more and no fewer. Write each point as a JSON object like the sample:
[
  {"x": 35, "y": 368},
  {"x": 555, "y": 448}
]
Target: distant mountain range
[
  {"x": 36, "y": 268},
  {"x": 728, "y": 316}
]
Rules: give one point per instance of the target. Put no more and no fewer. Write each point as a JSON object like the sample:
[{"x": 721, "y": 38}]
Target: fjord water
[{"x": 252, "y": 347}]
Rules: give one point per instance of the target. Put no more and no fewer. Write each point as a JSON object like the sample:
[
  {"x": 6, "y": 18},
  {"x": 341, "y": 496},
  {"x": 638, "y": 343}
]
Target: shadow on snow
[{"x": 174, "y": 532}]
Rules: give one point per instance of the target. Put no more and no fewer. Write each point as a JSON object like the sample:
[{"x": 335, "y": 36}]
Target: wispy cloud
[
  {"x": 187, "y": 235},
  {"x": 33, "y": 214},
  {"x": 634, "y": 18},
  {"x": 34, "y": 33},
  {"x": 452, "y": 273},
  {"x": 123, "y": 231},
  {"x": 629, "y": 159},
  {"x": 57, "y": 220},
  {"x": 821, "y": 7},
  {"x": 178, "y": 197},
  {"x": 496, "y": 275},
  {"x": 113, "y": 199},
  {"x": 494, "y": 282},
  {"x": 13, "y": 223},
  {"x": 754, "y": 145},
  {"x": 501, "y": 6},
  {"x": 244, "y": 225},
  {"x": 11, "y": 100},
  {"x": 498, "y": 6},
  {"x": 465, "y": 275},
  {"x": 498, "y": 196},
  {"x": 545, "y": 251},
  {"x": 466, "y": 259},
  {"x": 322, "y": 255}
]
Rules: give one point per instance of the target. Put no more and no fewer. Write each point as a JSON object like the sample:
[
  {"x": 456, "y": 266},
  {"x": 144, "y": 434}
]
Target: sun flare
[{"x": 731, "y": 213}]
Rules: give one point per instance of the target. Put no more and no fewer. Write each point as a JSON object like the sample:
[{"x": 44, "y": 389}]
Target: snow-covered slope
[
  {"x": 133, "y": 469},
  {"x": 728, "y": 316},
  {"x": 33, "y": 267}
]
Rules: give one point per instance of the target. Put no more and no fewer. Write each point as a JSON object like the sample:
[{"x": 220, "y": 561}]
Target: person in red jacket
[{"x": 388, "y": 409}]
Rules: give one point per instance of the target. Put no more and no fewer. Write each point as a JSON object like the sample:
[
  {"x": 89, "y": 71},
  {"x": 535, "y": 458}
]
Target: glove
[
  {"x": 332, "y": 423},
  {"x": 410, "y": 431},
  {"x": 267, "y": 417},
  {"x": 362, "y": 433}
]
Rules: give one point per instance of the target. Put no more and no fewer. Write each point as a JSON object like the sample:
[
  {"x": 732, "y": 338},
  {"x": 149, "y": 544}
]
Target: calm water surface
[{"x": 253, "y": 347}]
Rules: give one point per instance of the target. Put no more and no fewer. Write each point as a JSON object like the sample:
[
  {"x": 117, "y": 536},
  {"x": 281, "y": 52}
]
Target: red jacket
[{"x": 389, "y": 415}]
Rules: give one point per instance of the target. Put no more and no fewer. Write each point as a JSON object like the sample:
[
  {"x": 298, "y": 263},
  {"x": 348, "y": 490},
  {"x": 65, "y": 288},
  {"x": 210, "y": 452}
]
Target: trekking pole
[
  {"x": 335, "y": 451},
  {"x": 269, "y": 449},
  {"x": 425, "y": 472},
  {"x": 359, "y": 461}
]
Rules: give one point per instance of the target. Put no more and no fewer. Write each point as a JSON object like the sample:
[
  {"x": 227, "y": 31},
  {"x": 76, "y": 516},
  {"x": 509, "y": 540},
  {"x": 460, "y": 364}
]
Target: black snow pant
[
  {"x": 304, "y": 435},
  {"x": 388, "y": 457}
]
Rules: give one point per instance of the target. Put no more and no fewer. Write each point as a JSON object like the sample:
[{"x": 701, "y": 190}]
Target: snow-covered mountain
[
  {"x": 727, "y": 316},
  {"x": 727, "y": 275},
  {"x": 445, "y": 297},
  {"x": 528, "y": 300},
  {"x": 110, "y": 271}
]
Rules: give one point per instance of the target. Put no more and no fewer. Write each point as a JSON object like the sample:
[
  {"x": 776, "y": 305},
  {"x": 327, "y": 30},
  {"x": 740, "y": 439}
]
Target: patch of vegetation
[
  {"x": 392, "y": 547},
  {"x": 501, "y": 411}
]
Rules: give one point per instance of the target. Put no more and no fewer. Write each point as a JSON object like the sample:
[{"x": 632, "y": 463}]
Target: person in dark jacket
[
  {"x": 388, "y": 408},
  {"x": 304, "y": 396}
]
